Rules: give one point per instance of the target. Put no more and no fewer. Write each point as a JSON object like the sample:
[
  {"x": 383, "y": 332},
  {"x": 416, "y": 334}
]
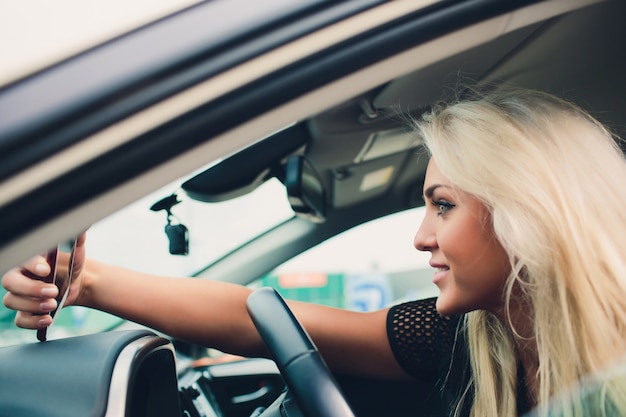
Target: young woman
[
  {"x": 525, "y": 224},
  {"x": 545, "y": 287}
]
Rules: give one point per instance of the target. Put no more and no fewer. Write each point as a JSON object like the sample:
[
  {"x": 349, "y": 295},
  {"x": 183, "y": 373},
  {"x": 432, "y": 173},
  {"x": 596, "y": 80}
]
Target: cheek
[
  {"x": 460, "y": 242},
  {"x": 471, "y": 247}
]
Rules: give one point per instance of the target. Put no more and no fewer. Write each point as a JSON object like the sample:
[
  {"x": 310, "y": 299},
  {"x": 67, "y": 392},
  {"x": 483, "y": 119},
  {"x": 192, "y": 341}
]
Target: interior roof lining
[{"x": 404, "y": 90}]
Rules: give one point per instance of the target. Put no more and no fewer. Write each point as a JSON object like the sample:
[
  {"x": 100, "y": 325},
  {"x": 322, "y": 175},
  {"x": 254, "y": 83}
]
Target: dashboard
[{"x": 234, "y": 389}]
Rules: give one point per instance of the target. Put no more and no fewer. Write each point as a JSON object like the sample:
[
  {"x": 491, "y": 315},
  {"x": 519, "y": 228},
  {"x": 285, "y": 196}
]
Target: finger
[
  {"x": 80, "y": 240},
  {"x": 32, "y": 321},
  {"x": 28, "y": 304},
  {"x": 80, "y": 246},
  {"x": 38, "y": 266},
  {"x": 18, "y": 284}
]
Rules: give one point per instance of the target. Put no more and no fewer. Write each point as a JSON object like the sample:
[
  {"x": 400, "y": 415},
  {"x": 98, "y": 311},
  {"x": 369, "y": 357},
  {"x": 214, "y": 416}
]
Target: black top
[{"x": 434, "y": 349}]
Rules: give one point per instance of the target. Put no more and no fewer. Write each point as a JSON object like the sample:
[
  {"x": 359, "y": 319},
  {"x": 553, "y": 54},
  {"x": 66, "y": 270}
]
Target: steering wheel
[{"x": 305, "y": 373}]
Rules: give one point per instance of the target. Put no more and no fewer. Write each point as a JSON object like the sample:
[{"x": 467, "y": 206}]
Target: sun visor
[
  {"x": 387, "y": 142},
  {"x": 358, "y": 182}
]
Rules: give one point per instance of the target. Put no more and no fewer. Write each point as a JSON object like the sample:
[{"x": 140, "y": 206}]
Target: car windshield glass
[{"x": 135, "y": 237}]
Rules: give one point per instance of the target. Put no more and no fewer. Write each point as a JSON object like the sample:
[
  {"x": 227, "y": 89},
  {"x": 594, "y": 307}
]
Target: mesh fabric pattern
[{"x": 421, "y": 339}]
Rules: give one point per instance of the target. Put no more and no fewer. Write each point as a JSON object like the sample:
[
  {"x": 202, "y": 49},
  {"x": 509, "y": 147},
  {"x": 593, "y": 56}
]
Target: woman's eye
[{"x": 442, "y": 207}]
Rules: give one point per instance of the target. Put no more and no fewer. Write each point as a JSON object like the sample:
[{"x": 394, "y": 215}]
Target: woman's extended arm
[
  {"x": 214, "y": 314},
  {"x": 210, "y": 313}
]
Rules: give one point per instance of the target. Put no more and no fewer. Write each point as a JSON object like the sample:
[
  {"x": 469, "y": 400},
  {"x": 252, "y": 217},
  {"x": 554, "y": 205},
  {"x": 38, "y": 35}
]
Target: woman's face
[{"x": 470, "y": 264}]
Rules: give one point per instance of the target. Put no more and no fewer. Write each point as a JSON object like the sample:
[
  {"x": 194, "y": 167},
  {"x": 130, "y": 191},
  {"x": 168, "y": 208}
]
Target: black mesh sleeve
[{"x": 421, "y": 339}]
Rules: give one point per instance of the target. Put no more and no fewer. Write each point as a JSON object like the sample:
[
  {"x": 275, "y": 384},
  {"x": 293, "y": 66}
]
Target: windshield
[
  {"x": 214, "y": 230},
  {"x": 135, "y": 238}
]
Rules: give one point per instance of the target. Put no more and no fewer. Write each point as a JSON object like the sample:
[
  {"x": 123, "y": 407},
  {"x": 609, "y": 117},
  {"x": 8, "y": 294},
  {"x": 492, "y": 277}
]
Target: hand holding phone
[
  {"x": 60, "y": 275},
  {"x": 52, "y": 257}
]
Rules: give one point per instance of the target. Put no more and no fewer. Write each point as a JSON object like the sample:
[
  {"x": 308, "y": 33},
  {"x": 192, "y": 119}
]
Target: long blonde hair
[{"x": 554, "y": 181}]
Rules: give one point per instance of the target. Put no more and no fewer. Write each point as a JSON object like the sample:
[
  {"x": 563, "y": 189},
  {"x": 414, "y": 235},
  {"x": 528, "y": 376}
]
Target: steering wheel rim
[{"x": 317, "y": 393}]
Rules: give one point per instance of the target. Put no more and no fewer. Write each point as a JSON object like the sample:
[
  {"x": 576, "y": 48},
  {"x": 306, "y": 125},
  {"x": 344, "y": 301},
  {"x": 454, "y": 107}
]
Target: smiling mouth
[{"x": 440, "y": 272}]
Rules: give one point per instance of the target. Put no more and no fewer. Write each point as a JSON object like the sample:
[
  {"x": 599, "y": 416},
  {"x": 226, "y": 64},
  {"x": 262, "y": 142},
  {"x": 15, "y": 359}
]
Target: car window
[{"x": 365, "y": 268}]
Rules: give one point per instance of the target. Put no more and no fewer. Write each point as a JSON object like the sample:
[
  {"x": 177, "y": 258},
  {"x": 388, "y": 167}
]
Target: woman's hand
[{"x": 34, "y": 299}]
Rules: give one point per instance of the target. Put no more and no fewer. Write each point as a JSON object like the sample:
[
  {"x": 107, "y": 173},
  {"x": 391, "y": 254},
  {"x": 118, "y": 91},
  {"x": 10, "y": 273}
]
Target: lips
[
  {"x": 438, "y": 265},
  {"x": 440, "y": 272}
]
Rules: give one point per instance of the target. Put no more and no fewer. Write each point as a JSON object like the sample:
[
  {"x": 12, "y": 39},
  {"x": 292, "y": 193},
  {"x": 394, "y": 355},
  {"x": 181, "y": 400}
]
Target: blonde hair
[{"x": 553, "y": 180}]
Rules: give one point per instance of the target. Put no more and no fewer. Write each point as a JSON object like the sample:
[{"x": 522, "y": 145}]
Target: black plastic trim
[{"x": 74, "y": 370}]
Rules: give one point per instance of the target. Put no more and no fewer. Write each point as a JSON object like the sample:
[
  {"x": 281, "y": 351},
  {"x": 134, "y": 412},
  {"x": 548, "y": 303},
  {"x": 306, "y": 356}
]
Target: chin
[
  {"x": 447, "y": 307},
  {"x": 443, "y": 307}
]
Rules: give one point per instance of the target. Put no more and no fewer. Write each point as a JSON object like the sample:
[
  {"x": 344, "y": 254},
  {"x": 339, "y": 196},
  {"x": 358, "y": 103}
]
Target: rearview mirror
[
  {"x": 305, "y": 189},
  {"x": 244, "y": 171}
]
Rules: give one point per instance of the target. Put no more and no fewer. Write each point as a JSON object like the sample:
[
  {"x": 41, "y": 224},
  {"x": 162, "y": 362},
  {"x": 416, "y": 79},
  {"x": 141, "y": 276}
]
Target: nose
[{"x": 425, "y": 238}]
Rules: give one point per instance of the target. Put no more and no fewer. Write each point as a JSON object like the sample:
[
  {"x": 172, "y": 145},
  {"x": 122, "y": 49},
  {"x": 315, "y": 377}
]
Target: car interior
[{"x": 350, "y": 158}]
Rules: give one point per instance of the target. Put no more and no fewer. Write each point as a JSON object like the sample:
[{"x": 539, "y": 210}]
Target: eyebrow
[{"x": 428, "y": 193}]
